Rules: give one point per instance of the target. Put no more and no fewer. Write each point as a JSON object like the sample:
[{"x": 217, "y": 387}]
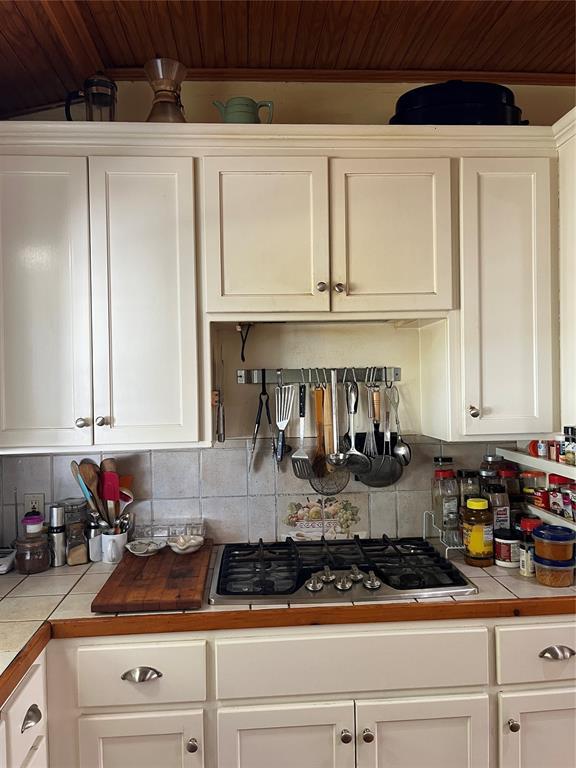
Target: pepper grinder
[{"x": 57, "y": 536}]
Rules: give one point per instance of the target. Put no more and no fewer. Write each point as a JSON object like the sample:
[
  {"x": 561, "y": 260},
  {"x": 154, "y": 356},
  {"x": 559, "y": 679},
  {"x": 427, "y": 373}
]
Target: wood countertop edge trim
[
  {"x": 18, "y": 667},
  {"x": 310, "y": 616}
]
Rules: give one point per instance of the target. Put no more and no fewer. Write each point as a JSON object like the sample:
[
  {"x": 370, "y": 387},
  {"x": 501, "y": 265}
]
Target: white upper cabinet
[
  {"x": 45, "y": 352},
  {"x": 391, "y": 235},
  {"x": 144, "y": 300},
  {"x": 266, "y": 234},
  {"x": 508, "y": 339}
]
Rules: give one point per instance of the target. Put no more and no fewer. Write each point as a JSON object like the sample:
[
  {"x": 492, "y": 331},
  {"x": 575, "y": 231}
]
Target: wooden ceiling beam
[{"x": 357, "y": 76}]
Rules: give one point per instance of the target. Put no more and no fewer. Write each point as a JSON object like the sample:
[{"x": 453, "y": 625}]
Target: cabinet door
[
  {"x": 266, "y": 234},
  {"x": 143, "y": 739},
  {"x": 508, "y": 382},
  {"x": 436, "y": 732},
  {"x": 391, "y": 235},
  {"x": 45, "y": 353},
  {"x": 144, "y": 305},
  {"x": 287, "y": 736},
  {"x": 547, "y": 733}
]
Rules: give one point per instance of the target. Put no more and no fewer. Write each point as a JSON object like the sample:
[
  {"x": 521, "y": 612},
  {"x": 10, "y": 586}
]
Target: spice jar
[
  {"x": 469, "y": 484},
  {"x": 510, "y": 480},
  {"x": 33, "y": 524},
  {"x": 506, "y": 548},
  {"x": 32, "y": 554},
  {"x": 499, "y": 504},
  {"x": 477, "y": 527},
  {"x": 527, "y": 525},
  {"x": 530, "y": 481}
]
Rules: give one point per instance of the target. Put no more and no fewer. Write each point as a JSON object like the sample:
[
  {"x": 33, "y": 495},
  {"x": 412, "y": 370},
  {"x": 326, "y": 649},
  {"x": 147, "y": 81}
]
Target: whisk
[{"x": 370, "y": 446}]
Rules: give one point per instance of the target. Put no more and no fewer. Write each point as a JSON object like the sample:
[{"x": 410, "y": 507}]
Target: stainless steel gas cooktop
[{"x": 350, "y": 570}]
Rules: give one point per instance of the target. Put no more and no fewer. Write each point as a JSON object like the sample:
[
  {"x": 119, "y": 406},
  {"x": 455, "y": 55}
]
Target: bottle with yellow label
[{"x": 478, "y": 533}]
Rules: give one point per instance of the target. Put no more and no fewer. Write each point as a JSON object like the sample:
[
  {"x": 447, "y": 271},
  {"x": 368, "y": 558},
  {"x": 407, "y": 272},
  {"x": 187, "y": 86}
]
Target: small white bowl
[
  {"x": 183, "y": 545},
  {"x": 144, "y": 547}
]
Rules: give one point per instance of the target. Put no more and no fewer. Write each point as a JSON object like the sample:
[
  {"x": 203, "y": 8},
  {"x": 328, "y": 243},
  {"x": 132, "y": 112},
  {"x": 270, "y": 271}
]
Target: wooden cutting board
[{"x": 163, "y": 582}]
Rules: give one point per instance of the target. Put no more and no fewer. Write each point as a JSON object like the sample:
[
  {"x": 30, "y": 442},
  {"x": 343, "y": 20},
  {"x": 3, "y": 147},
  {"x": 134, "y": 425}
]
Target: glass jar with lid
[
  {"x": 493, "y": 461},
  {"x": 478, "y": 532},
  {"x": 445, "y": 499},
  {"x": 469, "y": 484},
  {"x": 32, "y": 554},
  {"x": 510, "y": 480},
  {"x": 531, "y": 481}
]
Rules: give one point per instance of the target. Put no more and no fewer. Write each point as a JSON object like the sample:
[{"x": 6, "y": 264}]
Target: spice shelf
[
  {"x": 550, "y": 517},
  {"x": 533, "y": 462}
]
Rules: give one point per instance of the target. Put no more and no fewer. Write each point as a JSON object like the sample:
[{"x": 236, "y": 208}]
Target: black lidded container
[{"x": 457, "y": 102}]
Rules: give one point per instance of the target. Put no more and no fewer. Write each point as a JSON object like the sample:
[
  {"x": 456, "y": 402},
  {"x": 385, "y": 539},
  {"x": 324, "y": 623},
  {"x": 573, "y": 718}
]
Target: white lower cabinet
[
  {"x": 435, "y": 731},
  {"x": 145, "y": 739},
  {"x": 537, "y": 729},
  {"x": 315, "y": 735}
]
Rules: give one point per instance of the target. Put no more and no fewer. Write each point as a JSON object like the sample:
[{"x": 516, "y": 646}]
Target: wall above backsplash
[
  {"x": 322, "y": 103},
  {"x": 237, "y": 506}
]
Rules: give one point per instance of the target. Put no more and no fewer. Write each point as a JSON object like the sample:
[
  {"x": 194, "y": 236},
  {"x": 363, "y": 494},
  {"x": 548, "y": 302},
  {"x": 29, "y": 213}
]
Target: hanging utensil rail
[{"x": 384, "y": 374}]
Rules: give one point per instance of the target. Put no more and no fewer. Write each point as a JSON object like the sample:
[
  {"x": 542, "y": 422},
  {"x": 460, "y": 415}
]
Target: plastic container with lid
[
  {"x": 32, "y": 554},
  {"x": 506, "y": 548},
  {"x": 33, "y": 524},
  {"x": 530, "y": 481},
  {"x": 554, "y": 573},
  {"x": 554, "y": 542},
  {"x": 478, "y": 533}
]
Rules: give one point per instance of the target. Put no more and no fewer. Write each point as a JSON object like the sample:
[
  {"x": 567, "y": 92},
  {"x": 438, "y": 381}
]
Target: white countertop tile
[
  {"x": 15, "y": 634},
  {"x": 90, "y": 583},
  {"x": 522, "y": 586},
  {"x": 75, "y": 607},
  {"x": 6, "y": 657},
  {"x": 28, "y": 608},
  {"x": 63, "y": 570},
  {"x": 488, "y": 589},
  {"x": 8, "y": 581},
  {"x": 102, "y": 567},
  {"x": 49, "y": 585},
  {"x": 319, "y": 604}
]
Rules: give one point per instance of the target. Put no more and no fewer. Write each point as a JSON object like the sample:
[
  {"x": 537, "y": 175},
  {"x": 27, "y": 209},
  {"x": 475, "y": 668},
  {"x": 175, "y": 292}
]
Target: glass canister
[
  {"x": 76, "y": 544},
  {"x": 445, "y": 501},
  {"x": 530, "y": 481},
  {"x": 510, "y": 480},
  {"x": 32, "y": 554},
  {"x": 487, "y": 477},
  {"x": 493, "y": 461}
]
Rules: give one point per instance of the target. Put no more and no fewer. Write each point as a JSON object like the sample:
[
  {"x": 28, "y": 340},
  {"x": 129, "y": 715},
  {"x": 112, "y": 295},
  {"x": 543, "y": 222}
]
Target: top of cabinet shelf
[{"x": 533, "y": 462}]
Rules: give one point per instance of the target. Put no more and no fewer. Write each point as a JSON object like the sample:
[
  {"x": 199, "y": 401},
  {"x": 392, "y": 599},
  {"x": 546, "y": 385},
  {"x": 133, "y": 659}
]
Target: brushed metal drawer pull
[
  {"x": 31, "y": 718},
  {"x": 141, "y": 674},
  {"x": 557, "y": 653},
  {"x": 192, "y": 745}
]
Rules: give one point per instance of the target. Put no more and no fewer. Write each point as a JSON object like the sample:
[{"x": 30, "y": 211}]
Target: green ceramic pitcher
[{"x": 241, "y": 109}]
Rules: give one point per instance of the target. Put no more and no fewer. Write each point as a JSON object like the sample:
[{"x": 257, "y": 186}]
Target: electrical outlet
[{"x": 34, "y": 501}]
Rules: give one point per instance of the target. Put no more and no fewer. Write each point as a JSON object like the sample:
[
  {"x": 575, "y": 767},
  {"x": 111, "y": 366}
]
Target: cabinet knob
[
  {"x": 321, "y": 286},
  {"x": 345, "y": 736},
  {"x": 339, "y": 287},
  {"x": 514, "y": 725},
  {"x": 141, "y": 674},
  {"x": 367, "y": 736},
  {"x": 100, "y": 421},
  {"x": 557, "y": 653},
  {"x": 81, "y": 423},
  {"x": 473, "y": 411},
  {"x": 31, "y": 718},
  {"x": 192, "y": 745}
]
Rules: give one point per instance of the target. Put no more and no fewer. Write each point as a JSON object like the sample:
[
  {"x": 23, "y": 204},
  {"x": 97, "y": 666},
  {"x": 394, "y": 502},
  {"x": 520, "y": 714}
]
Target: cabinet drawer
[
  {"x": 338, "y": 663},
  {"x": 518, "y": 649},
  {"x": 26, "y": 709},
  {"x": 182, "y": 668}
]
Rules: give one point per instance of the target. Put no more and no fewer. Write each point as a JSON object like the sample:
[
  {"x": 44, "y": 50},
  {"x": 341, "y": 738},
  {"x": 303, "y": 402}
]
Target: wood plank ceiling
[{"x": 48, "y": 47}]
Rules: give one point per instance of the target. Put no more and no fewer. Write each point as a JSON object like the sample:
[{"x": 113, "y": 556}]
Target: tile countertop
[{"x": 66, "y": 593}]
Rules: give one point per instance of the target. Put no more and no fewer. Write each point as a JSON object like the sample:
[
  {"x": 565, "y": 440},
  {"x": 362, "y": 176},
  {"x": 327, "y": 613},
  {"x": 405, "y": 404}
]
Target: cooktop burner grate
[{"x": 283, "y": 568}]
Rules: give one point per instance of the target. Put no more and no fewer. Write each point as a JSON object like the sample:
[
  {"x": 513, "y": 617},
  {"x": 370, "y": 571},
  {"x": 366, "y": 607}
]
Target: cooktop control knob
[
  {"x": 355, "y": 574},
  {"x": 314, "y": 584},
  {"x": 372, "y": 582},
  {"x": 344, "y": 583},
  {"x": 328, "y": 577}
]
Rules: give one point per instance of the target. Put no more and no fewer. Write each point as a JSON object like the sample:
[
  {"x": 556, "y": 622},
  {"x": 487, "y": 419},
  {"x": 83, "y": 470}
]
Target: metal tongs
[{"x": 263, "y": 402}]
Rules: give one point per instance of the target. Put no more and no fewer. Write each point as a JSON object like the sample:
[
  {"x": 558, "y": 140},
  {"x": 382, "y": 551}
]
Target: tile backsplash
[{"x": 237, "y": 505}]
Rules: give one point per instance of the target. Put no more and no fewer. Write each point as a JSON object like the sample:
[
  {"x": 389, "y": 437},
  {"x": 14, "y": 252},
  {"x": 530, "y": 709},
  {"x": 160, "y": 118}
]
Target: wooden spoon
[{"x": 90, "y": 473}]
